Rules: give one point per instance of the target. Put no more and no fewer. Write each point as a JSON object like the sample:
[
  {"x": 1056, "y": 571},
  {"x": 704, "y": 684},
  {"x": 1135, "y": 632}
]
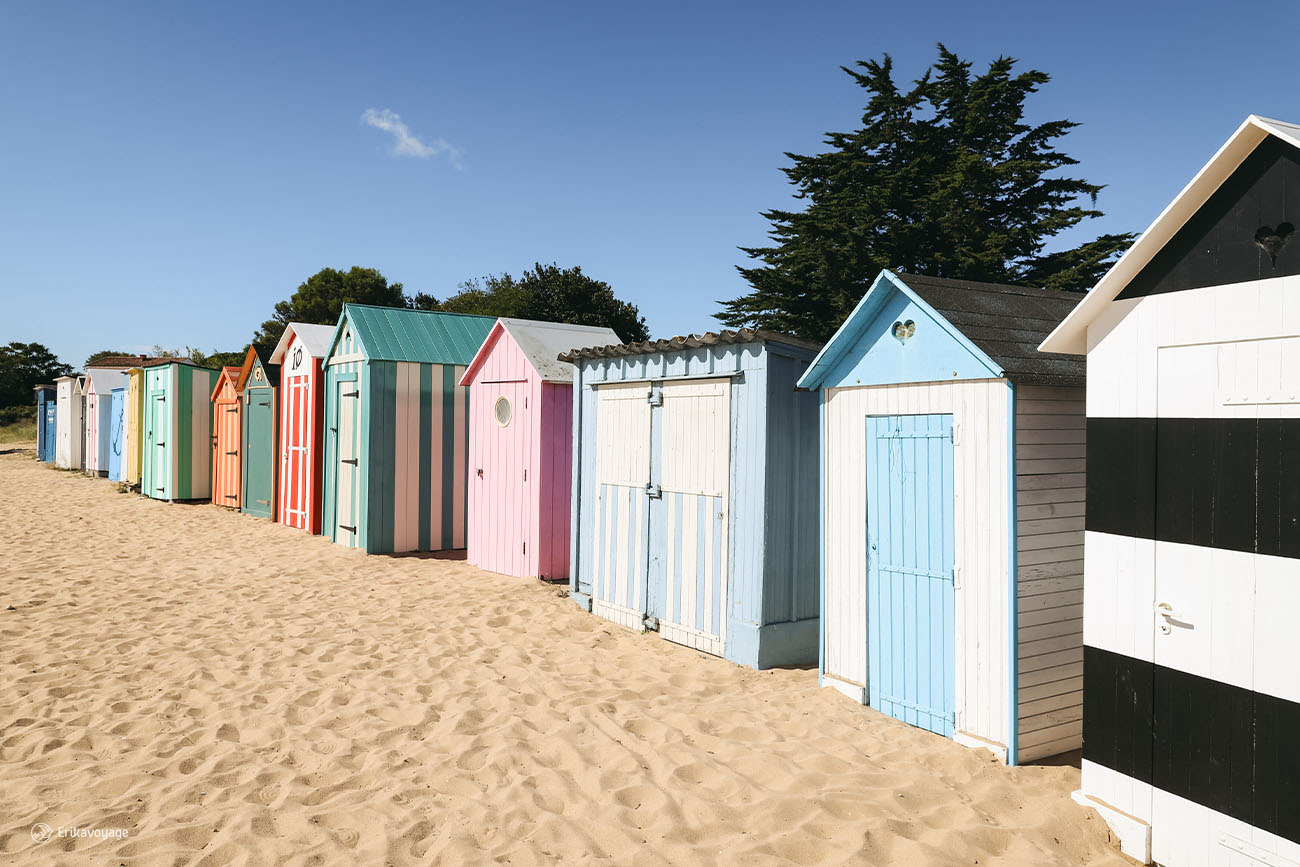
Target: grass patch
[{"x": 17, "y": 423}]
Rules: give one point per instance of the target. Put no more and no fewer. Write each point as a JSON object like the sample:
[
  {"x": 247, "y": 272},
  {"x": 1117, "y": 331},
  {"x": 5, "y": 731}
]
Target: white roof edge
[
  {"x": 307, "y": 334},
  {"x": 1070, "y": 336}
]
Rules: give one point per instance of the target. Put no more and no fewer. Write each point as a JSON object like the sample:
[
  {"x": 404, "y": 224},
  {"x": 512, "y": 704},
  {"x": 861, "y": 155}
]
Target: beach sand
[{"x": 231, "y": 691}]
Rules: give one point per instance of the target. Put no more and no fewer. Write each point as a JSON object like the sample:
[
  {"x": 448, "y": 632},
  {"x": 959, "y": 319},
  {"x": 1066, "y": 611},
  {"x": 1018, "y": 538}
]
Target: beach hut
[
  {"x": 176, "y": 443},
  {"x": 258, "y": 384},
  {"x": 396, "y": 458},
  {"x": 70, "y": 423},
  {"x": 695, "y": 492},
  {"x": 952, "y": 512},
  {"x": 132, "y": 424},
  {"x": 227, "y": 438},
  {"x": 300, "y": 354},
  {"x": 100, "y": 383},
  {"x": 46, "y": 422},
  {"x": 521, "y": 446},
  {"x": 1192, "y": 569},
  {"x": 117, "y": 431}
]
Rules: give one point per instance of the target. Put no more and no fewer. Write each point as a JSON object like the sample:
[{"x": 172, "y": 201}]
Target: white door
[
  {"x": 346, "y": 470},
  {"x": 620, "y": 537},
  {"x": 688, "y": 586}
]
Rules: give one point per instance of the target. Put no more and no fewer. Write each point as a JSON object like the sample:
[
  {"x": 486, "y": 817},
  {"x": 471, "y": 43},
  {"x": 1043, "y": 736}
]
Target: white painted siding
[
  {"x": 1050, "y": 494},
  {"x": 979, "y": 409}
]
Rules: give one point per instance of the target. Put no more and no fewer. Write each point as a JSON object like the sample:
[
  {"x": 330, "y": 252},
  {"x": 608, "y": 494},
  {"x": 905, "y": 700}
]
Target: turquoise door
[
  {"x": 259, "y": 452},
  {"x": 911, "y": 657}
]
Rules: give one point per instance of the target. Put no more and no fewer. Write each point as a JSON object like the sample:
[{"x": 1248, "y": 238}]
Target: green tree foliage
[
  {"x": 548, "y": 293},
  {"x": 945, "y": 179},
  {"x": 321, "y": 298},
  {"x": 23, "y": 366},
  {"x": 215, "y": 359}
]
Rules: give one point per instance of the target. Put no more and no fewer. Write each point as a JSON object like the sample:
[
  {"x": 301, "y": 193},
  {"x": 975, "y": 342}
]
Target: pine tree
[{"x": 946, "y": 179}]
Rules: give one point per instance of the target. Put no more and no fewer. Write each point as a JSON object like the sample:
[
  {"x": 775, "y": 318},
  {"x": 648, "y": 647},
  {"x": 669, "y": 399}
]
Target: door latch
[{"x": 1168, "y": 615}]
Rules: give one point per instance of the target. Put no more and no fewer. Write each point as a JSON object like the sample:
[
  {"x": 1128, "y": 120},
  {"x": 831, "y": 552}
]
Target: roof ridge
[{"x": 412, "y": 310}]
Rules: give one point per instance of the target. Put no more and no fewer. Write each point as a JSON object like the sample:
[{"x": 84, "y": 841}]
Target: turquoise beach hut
[{"x": 397, "y": 428}]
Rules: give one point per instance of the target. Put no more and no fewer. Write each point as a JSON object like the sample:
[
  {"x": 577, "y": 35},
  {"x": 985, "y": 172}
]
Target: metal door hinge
[
  {"x": 656, "y": 397},
  {"x": 653, "y": 491},
  {"x": 955, "y": 434},
  {"x": 956, "y": 578},
  {"x": 351, "y": 394},
  {"x": 352, "y": 461},
  {"x": 651, "y": 624},
  {"x": 346, "y": 527}
]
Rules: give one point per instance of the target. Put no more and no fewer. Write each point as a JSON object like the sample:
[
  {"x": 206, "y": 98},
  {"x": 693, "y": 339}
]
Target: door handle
[{"x": 1166, "y": 611}]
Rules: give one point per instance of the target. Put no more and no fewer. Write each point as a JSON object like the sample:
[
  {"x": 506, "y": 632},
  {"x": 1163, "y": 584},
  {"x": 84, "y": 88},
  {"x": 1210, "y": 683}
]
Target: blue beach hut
[
  {"x": 46, "y": 423},
  {"x": 116, "y": 433},
  {"x": 952, "y": 513},
  {"x": 694, "y": 492}
]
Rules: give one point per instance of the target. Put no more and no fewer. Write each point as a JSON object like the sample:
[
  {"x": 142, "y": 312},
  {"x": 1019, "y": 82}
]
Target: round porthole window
[{"x": 502, "y": 410}]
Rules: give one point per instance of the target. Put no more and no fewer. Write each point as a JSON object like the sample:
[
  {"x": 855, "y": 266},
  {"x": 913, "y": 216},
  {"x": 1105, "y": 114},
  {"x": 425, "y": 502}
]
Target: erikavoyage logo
[{"x": 42, "y": 832}]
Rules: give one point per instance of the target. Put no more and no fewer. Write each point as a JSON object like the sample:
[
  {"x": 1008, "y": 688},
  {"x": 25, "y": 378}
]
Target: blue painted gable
[{"x": 866, "y": 350}]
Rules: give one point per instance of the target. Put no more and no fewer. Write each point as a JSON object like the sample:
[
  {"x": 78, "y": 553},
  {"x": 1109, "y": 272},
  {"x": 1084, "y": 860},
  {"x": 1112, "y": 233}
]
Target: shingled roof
[{"x": 1008, "y": 323}]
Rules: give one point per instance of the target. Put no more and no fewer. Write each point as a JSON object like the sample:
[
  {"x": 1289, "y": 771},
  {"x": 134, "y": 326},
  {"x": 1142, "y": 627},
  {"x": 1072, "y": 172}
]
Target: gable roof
[
  {"x": 163, "y": 362},
  {"x": 690, "y": 341},
  {"x": 227, "y": 374},
  {"x": 1000, "y": 324},
  {"x": 1071, "y": 335},
  {"x": 315, "y": 339},
  {"x": 104, "y": 379},
  {"x": 262, "y": 353},
  {"x": 541, "y": 344},
  {"x": 427, "y": 336}
]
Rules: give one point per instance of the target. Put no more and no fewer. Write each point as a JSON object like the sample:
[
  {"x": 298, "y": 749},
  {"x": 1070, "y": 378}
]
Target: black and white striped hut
[{"x": 1192, "y": 544}]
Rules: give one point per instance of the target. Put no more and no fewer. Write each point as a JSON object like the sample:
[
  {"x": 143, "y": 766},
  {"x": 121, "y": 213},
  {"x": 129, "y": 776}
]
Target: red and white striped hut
[{"x": 302, "y": 442}]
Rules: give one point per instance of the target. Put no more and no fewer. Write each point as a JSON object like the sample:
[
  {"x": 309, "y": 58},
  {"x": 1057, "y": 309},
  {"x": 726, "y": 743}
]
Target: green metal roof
[{"x": 398, "y": 334}]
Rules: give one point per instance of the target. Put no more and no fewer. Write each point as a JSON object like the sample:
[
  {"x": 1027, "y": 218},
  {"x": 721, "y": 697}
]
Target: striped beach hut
[
  {"x": 70, "y": 422},
  {"x": 396, "y": 457},
  {"x": 521, "y": 446},
  {"x": 177, "y": 445},
  {"x": 952, "y": 513},
  {"x": 227, "y": 438},
  {"x": 258, "y": 387},
  {"x": 117, "y": 432},
  {"x": 46, "y": 422},
  {"x": 1192, "y": 569},
  {"x": 300, "y": 355},
  {"x": 695, "y": 492},
  {"x": 100, "y": 383},
  {"x": 132, "y": 424}
]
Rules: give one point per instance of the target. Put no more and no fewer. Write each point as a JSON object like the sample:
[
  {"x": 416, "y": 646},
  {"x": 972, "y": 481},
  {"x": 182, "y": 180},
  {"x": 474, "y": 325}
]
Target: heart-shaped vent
[
  {"x": 1272, "y": 240},
  {"x": 904, "y": 330}
]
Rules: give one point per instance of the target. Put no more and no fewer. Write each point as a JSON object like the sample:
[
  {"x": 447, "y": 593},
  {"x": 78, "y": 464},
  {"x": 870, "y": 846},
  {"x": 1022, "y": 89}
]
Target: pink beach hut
[{"x": 521, "y": 446}]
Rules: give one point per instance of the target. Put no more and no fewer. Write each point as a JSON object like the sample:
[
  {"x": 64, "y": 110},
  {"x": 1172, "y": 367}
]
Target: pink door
[{"x": 501, "y": 476}]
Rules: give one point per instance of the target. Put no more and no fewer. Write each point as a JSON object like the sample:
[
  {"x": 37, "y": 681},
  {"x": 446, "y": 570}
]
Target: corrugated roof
[
  {"x": 431, "y": 337},
  {"x": 314, "y": 338},
  {"x": 692, "y": 341},
  {"x": 1007, "y": 323},
  {"x": 105, "y": 379}
]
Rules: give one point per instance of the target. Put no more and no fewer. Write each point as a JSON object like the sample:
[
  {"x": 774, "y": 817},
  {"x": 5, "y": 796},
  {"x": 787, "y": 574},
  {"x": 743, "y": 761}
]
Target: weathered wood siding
[
  {"x": 980, "y": 410},
  {"x": 1050, "y": 493}
]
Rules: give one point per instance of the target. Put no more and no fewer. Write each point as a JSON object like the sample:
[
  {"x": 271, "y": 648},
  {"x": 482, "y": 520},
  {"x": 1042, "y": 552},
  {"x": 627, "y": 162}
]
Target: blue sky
[{"x": 170, "y": 170}]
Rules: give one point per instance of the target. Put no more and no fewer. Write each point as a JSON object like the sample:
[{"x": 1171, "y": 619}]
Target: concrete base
[{"x": 1134, "y": 834}]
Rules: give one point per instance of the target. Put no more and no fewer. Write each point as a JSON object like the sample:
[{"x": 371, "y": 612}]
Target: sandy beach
[{"x": 230, "y": 691}]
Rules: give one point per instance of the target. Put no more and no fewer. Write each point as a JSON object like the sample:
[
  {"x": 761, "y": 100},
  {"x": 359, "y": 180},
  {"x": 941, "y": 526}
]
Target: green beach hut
[
  {"x": 176, "y": 448},
  {"x": 397, "y": 428},
  {"x": 258, "y": 386}
]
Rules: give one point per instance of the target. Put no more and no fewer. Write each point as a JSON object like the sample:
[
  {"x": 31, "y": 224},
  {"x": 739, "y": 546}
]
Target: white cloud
[{"x": 405, "y": 144}]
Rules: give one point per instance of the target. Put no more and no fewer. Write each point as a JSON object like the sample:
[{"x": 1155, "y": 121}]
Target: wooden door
[
  {"x": 503, "y": 491},
  {"x": 621, "y": 519},
  {"x": 346, "y": 470},
  {"x": 115, "y": 436},
  {"x": 295, "y": 468},
  {"x": 258, "y": 465},
  {"x": 51, "y": 427},
  {"x": 691, "y": 470},
  {"x": 156, "y": 455},
  {"x": 911, "y": 596},
  {"x": 226, "y": 448}
]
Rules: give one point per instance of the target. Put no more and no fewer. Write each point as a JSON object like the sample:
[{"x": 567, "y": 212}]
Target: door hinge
[
  {"x": 653, "y": 491},
  {"x": 352, "y": 461},
  {"x": 524, "y": 548},
  {"x": 656, "y": 397},
  {"x": 232, "y": 453},
  {"x": 955, "y": 434},
  {"x": 956, "y": 578},
  {"x": 351, "y": 393},
  {"x": 346, "y": 527},
  {"x": 651, "y": 624}
]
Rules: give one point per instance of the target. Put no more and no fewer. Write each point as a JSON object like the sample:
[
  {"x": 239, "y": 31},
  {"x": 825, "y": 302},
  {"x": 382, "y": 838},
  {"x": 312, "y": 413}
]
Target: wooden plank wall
[
  {"x": 1050, "y": 494},
  {"x": 980, "y": 416}
]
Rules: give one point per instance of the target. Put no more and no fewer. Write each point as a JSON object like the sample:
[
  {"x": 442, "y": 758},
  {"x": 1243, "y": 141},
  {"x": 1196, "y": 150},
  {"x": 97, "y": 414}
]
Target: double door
[{"x": 660, "y": 553}]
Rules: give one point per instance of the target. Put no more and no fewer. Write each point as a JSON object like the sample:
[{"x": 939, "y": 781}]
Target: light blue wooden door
[{"x": 911, "y": 598}]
